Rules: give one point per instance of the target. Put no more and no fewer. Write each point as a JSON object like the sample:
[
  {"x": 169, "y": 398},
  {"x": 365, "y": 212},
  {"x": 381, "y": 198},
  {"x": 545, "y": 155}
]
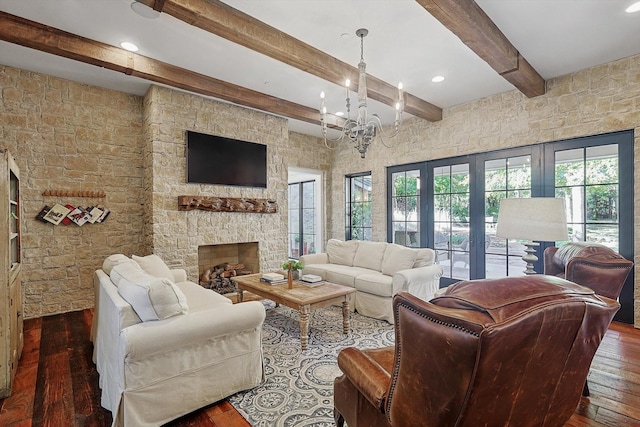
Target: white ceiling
[{"x": 405, "y": 43}]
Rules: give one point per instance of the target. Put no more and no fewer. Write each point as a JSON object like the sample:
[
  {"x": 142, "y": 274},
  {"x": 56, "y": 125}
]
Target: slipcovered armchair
[
  {"x": 511, "y": 351},
  {"x": 589, "y": 264}
]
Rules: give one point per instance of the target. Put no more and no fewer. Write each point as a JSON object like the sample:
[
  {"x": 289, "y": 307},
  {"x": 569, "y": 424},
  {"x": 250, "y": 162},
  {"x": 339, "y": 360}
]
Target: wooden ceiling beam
[
  {"x": 47, "y": 39},
  {"x": 472, "y": 25},
  {"x": 222, "y": 20}
]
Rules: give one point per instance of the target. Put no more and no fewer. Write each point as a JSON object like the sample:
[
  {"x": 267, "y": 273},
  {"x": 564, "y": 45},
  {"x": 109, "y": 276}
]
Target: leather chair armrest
[
  {"x": 605, "y": 277},
  {"x": 371, "y": 379},
  {"x": 550, "y": 267}
]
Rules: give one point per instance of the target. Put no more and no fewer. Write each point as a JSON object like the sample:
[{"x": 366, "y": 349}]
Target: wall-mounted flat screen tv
[{"x": 218, "y": 160}]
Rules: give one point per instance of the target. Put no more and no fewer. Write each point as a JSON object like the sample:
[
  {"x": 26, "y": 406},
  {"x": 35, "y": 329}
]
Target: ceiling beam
[
  {"x": 219, "y": 18},
  {"x": 467, "y": 20},
  {"x": 41, "y": 37}
]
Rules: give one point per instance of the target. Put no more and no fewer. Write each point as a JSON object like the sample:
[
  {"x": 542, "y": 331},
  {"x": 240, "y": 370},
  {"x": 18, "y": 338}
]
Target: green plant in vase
[{"x": 296, "y": 267}]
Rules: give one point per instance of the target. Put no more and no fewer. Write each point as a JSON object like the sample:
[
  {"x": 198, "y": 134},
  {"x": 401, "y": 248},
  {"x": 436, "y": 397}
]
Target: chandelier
[{"x": 362, "y": 130}]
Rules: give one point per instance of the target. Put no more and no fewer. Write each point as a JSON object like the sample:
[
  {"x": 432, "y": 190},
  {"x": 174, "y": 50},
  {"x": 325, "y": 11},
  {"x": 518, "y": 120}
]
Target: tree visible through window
[{"x": 358, "y": 209}]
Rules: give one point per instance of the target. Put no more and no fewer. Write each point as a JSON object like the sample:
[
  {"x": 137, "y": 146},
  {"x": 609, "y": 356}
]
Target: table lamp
[{"x": 536, "y": 218}]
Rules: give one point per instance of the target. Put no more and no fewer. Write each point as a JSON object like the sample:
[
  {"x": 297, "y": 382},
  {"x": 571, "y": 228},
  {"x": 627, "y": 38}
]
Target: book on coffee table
[
  {"x": 311, "y": 278},
  {"x": 273, "y": 278},
  {"x": 273, "y": 282}
]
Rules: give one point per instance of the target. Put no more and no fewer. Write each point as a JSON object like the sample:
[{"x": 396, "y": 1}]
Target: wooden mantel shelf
[{"x": 226, "y": 204}]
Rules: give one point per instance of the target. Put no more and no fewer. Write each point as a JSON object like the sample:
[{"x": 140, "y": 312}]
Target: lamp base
[{"x": 530, "y": 257}]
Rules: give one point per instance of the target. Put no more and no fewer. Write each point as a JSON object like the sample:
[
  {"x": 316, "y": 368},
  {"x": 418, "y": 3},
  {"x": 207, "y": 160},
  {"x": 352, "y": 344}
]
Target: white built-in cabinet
[{"x": 11, "y": 336}]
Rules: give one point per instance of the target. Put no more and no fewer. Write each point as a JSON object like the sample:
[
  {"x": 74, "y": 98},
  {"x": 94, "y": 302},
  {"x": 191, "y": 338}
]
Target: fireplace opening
[{"x": 219, "y": 264}]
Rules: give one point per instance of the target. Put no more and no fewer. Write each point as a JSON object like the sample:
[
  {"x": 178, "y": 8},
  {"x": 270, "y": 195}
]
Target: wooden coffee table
[{"x": 302, "y": 298}]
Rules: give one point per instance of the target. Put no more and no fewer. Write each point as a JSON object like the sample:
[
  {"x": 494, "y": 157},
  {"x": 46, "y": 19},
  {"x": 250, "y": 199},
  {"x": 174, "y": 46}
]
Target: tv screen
[{"x": 218, "y": 160}]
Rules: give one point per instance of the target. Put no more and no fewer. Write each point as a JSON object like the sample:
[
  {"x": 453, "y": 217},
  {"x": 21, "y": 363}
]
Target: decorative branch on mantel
[{"x": 226, "y": 204}]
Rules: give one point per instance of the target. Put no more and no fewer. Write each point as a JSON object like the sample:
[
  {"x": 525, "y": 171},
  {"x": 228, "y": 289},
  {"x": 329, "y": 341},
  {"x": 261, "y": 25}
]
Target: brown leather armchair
[
  {"x": 513, "y": 351},
  {"x": 589, "y": 264}
]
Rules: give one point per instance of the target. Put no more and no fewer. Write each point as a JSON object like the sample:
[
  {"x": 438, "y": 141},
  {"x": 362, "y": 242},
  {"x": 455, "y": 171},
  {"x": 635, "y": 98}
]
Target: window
[
  {"x": 302, "y": 219},
  {"x": 358, "y": 209},
  {"x": 405, "y": 202}
]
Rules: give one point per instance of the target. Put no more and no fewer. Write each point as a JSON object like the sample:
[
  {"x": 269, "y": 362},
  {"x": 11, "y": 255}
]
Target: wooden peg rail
[{"x": 74, "y": 193}]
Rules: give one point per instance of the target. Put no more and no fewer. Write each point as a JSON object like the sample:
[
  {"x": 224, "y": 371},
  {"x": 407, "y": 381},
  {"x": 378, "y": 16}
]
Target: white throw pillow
[
  {"x": 341, "y": 252},
  {"x": 112, "y": 261},
  {"x": 398, "y": 258},
  {"x": 129, "y": 270},
  {"x": 154, "y": 265},
  {"x": 156, "y": 299}
]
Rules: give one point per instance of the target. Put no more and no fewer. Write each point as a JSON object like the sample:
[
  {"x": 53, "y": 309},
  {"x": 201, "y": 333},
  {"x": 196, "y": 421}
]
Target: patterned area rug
[{"x": 298, "y": 390}]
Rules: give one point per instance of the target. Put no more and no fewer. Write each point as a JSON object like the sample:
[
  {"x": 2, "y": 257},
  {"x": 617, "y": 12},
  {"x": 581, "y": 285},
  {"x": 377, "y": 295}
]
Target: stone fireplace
[
  {"x": 199, "y": 239},
  {"x": 232, "y": 253}
]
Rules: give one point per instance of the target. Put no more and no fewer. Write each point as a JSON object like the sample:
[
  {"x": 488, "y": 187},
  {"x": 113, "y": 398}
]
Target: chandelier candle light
[{"x": 362, "y": 130}]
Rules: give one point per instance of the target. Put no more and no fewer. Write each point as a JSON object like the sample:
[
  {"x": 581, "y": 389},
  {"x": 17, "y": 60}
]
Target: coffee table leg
[
  {"x": 345, "y": 316},
  {"x": 240, "y": 295},
  {"x": 304, "y": 326}
]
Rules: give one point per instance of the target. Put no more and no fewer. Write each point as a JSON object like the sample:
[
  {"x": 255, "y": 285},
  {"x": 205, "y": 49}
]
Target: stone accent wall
[
  {"x": 70, "y": 136},
  {"x": 598, "y": 100},
  {"x": 176, "y": 235}
]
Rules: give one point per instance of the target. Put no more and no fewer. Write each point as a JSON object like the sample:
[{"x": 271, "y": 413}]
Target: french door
[{"x": 453, "y": 205}]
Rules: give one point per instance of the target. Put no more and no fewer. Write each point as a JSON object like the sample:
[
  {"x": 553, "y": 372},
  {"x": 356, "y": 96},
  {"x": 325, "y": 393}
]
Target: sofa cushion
[
  {"x": 425, "y": 258},
  {"x": 375, "y": 284},
  {"x": 336, "y": 273},
  {"x": 341, "y": 252},
  {"x": 156, "y": 298},
  {"x": 369, "y": 255},
  {"x": 113, "y": 260},
  {"x": 154, "y": 265},
  {"x": 398, "y": 258}
]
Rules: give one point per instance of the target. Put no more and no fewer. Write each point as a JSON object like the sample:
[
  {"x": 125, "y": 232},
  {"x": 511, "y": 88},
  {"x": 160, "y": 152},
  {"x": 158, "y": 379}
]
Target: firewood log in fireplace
[{"x": 219, "y": 277}]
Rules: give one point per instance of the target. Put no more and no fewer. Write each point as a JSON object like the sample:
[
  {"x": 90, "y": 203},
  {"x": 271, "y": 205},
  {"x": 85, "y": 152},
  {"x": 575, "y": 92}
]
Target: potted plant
[{"x": 296, "y": 267}]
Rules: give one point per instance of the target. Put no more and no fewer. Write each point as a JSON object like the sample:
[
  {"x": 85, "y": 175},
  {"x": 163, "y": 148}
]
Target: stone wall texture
[
  {"x": 175, "y": 235},
  {"x": 70, "y": 136},
  {"x": 594, "y": 101}
]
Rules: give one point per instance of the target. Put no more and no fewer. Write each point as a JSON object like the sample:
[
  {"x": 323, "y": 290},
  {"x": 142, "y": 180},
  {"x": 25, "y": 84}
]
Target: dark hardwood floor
[{"x": 57, "y": 384}]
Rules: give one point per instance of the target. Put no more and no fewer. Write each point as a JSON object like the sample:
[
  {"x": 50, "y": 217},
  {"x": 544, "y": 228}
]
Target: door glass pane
[
  {"x": 504, "y": 178},
  {"x": 587, "y": 179},
  {"x": 406, "y": 208},
  {"x": 451, "y": 220}
]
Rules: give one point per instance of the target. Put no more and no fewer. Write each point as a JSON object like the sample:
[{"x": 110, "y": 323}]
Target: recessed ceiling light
[
  {"x": 129, "y": 46},
  {"x": 437, "y": 79},
  {"x": 339, "y": 113},
  {"x": 144, "y": 10},
  {"x": 633, "y": 8}
]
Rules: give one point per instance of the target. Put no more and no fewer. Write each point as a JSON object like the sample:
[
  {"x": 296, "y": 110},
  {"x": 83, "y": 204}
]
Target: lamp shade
[{"x": 537, "y": 218}]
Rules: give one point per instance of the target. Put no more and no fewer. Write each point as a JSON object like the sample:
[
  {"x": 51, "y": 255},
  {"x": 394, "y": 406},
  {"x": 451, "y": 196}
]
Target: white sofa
[
  {"x": 193, "y": 348},
  {"x": 378, "y": 271}
]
